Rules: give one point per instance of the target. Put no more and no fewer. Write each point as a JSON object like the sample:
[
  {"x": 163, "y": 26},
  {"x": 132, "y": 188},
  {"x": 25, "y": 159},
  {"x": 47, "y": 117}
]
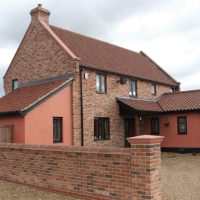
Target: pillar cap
[{"x": 145, "y": 139}]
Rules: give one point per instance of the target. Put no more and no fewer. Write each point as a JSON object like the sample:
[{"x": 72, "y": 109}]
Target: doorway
[{"x": 129, "y": 130}]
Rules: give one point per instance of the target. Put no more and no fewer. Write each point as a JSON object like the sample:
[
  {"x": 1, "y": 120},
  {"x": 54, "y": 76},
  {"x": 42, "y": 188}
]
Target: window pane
[
  {"x": 132, "y": 88},
  {"x": 57, "y": 129},
  {"x": 15, "y": 84},
  {"x": 154, "y": 126},
  {"x": 153, "y": 89},
  {"x": 102, "y": 83},
  {"x": 97, "y": 83},
  {"x": 182, "y": 125},
  {"x": 106, "y": 129},
  {"x": 101, "y": 128}
]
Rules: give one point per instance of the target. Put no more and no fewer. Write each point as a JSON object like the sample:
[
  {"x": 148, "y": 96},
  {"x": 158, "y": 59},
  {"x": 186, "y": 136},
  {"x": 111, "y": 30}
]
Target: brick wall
[
  {"x": 105, "y": 105},
  {"x": 93, "y": 173},
  {"x": 144, "y": 89},
  {"x": 38, "y": 56}
]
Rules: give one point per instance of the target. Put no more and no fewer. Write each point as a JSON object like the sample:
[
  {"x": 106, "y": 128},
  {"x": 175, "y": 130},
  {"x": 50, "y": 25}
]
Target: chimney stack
[{"x": 40, "y": 13}]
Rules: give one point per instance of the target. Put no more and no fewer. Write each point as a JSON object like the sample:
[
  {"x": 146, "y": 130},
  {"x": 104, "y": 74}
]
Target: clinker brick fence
[{"x": 88, "y": 172}]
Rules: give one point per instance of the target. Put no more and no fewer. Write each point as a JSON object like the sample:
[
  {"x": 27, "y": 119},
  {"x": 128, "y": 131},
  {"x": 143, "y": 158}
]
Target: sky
[{"x": 167, "y": 31}]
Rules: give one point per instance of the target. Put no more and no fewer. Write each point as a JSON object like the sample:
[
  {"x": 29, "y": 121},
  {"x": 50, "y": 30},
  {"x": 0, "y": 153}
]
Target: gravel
[
  {"x": 13, "y": 191},
  {"x": 181, "y": 176}
]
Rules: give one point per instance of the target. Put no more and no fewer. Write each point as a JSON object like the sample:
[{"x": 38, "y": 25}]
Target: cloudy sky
[{"x": 168, "y": 31}]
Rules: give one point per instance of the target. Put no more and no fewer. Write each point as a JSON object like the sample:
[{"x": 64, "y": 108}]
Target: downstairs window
[
  {"x": 154, "y": 126},
  {"x": 57, "y": 129},
  {"x": 182, "y": 125},
  {"x": 101, "y": 129}
]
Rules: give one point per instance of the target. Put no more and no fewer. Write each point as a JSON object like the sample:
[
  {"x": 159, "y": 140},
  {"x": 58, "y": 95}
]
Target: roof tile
[
  {"x": 25, "y": 96},
  {"x": 180, "y": 101},
  {"x": 108, "y": 57},
  {"x": 141, "y": 104},
  {"x": 168, "y": 102}
]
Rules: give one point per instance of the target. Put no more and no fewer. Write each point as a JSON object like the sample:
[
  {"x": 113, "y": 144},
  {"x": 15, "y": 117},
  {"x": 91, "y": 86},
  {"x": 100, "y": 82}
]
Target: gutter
[
  {"x": 91, "y": 68},
  {"x": 81, "y": 102}
]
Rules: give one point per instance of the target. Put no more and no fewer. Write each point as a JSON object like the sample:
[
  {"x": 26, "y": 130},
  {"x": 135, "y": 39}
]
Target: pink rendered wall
[
  {"x": 18, "y": 127},
  {"x": 39, "y": 121},
  {"x": 172, "y": 138}
]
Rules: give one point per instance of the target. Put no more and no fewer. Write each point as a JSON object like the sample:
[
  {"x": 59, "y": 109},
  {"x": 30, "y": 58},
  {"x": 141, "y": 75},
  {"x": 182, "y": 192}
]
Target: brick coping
[{"x": 64, "y": 148}]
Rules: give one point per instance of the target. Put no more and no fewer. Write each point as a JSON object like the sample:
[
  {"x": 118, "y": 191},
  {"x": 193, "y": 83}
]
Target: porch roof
[
  {"x": 183, "y": 101},
  {"x": 140, "y": 105}
]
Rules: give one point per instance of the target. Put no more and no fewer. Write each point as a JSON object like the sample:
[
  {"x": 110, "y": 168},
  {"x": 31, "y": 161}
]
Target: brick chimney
[{"x": 40, "y": 13}]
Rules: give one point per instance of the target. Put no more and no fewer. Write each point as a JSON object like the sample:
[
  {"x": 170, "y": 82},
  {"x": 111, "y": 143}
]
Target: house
[{"x": 64, "y": 87}]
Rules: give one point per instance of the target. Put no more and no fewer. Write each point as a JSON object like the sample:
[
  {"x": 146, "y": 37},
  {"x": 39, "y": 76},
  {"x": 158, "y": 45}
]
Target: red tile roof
[
  {"x": 180, "y": 101},
  {"x": 104, "y": 56},
  {"x": 25, "y": 97},
  {"x": 141, "y": 104},
  {"x": 168, "y": 102}
]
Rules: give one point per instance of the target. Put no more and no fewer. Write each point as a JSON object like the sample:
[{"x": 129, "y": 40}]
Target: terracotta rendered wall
[
  {"x": 90, "y": 173},
  {"x": 18, "y": 127},
  {"x": 172, "y": 138},
  {"x": 39, "y": 121},
  {"x": 39, "y": 56},
  {"x": 105, "y": 105}
]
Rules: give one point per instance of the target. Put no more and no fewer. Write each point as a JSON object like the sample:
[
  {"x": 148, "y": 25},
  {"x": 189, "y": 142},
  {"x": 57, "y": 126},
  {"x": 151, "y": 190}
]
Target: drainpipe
[{"x": 81, "y": 101}]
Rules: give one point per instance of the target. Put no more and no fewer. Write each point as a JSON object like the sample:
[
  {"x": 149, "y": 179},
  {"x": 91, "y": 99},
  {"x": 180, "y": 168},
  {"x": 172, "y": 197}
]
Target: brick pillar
[{"x": 146, "y": 167}]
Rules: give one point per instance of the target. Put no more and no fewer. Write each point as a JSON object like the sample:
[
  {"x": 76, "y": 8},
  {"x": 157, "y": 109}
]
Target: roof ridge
[
  {"x": 99, "y": 40},
  {"x": 184, "y": 91}
]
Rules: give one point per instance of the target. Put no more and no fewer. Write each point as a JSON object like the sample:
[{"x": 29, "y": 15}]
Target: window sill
[
  {"x": 99, "y": 140},
  {"x": 101, "y": 92},
  {"x": 132, "y": 96},
  {"x": 57, "y": 142},
  {"x": 182, "y": 133}
]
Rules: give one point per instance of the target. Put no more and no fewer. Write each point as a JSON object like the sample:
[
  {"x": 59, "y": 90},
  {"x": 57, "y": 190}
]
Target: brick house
[{"x": 112, "y": 93}]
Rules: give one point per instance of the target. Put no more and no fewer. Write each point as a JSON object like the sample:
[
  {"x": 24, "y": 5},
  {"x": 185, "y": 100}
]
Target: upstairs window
[
  {"x": 101, "y": 83},
  {"x": 132, "y": 88},
  {"x": 57, "y": 129},
  {"x": 153, "y": 89},
  {"x": 101, "y": 129},
  {"x": 182, "y": 125},
  {"x": 15, "y": 84},
  {"x": 154, "y": 126}
]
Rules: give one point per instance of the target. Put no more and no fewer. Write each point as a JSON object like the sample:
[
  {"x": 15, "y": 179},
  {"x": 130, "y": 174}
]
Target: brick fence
[{"x": 87, "y": 172}]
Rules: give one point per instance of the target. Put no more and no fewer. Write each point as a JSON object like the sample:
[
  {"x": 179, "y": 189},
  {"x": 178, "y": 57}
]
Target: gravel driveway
[
  {"x": 13, "y": 191},
  {"x": 181, "y": 177}
]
